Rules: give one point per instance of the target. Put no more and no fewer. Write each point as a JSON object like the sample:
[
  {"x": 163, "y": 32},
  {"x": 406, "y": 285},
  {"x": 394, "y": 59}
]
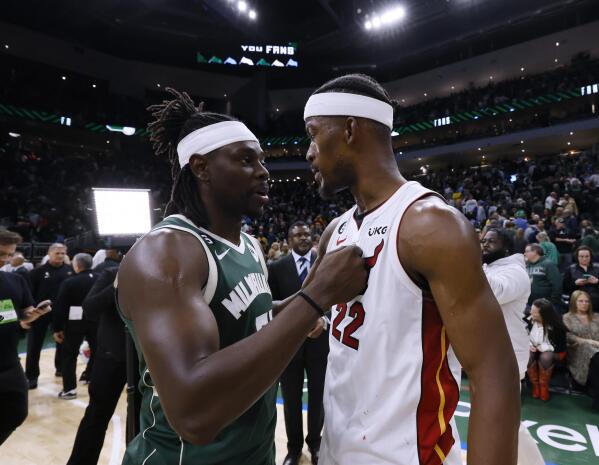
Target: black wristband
[{"x": 308, "y": 299}]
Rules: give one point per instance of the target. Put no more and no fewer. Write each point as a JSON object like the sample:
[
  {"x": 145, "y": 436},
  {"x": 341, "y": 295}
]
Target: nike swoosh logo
[
  {"x": 341, "y": 241},
  {"x": 222, "y": 255}
]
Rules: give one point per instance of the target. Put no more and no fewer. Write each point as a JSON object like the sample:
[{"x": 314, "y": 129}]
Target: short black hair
[
  {"x": 360, "y": 84},
  {"x": 297, "y": 224},
  {"x": 505, "y": 238},
  {"x": 173, "y": 120}
]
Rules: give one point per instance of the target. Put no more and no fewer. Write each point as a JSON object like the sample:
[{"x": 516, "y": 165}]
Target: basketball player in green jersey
[{"x": 194, "y": 294}]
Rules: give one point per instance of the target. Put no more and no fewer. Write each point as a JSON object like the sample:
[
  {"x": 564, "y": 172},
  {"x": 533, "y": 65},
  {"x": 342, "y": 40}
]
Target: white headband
[
  {"x": 212, "y": 137},
  {"x": 345, "y": 104}
]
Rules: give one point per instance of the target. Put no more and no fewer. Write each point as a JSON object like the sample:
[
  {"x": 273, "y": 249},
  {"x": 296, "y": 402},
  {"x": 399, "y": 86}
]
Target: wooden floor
[{"x": 48, "y": 434}]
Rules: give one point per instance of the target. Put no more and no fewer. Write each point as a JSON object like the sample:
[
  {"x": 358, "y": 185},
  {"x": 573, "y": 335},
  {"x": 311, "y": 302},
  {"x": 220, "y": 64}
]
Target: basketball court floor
[{"x": 565, "y": 427}]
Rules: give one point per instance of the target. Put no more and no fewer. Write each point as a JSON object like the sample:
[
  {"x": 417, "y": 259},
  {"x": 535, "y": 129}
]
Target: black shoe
[
  {"x": 314, "y": 454},
  {"x": 69, "y": 395},
  {"x": 32, "y": 383},
  {"x": 84, "y": 378},
  {"x": 58, "y": 374},
  {"x": 292, "y": 459}
]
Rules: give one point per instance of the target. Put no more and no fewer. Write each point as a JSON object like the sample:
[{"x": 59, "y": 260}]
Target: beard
[
  {"x": 325, "y": 194},
  {"x": 493, "y": 256}
]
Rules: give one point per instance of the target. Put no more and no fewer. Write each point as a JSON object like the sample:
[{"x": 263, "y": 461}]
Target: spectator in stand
[
  {"x": 549, "y": 249},
  {"x": 570, "y": 204},
  {"x": 583, "y": 275},
  {"x": 531, "y": 231},
  {"x": 520, "y": 242},
  {"x": 520, "y": 220},
  {"x": 583, "y": 343},
  {"x": 571, "y": 221},
  {"x": 481, "y": 215},
  {"x": 547, "y": 345},
  {"x": 591, "y": 240},
  {"x": 593, "y": 180},
  {"x": 564, "y": 241},
  {"x": 546, "y": 280},
  {"x": 551, "y": 201},
  {"x": 274, "y": 253}
]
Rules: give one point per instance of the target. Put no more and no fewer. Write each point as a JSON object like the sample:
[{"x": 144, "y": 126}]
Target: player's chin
[
  {"x": 255, "y": 211},
  {"x": 325, "y": 191}
]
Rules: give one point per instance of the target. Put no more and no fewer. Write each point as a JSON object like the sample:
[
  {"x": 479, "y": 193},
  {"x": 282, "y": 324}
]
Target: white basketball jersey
[{"x": 392, "y": 382}]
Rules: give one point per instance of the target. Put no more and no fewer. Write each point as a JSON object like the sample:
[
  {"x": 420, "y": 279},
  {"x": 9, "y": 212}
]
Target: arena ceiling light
[
  {"x": 122, "y": 212},
  {"x": 127, "y": 130},
  {"x": 243, "y": 8},
  {"x": 14, "y": 134},
  {"x": 387, "y": 18}
]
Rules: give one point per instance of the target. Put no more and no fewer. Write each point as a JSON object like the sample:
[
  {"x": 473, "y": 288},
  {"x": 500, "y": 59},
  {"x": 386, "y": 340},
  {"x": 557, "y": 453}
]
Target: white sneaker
[{"x": 69, "y": 395}]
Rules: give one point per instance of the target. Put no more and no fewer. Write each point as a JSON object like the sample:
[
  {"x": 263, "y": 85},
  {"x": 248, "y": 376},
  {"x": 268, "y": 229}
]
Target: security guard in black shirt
[
  {"x": 45, "y": 282},
  {"x": 70, "y": 325}
]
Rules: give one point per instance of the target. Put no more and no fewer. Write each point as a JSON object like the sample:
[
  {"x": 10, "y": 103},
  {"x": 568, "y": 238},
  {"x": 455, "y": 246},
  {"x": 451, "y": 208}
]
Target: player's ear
[
  {"x": 199, "y": 167},
  {"x": 350, "y": 129}
]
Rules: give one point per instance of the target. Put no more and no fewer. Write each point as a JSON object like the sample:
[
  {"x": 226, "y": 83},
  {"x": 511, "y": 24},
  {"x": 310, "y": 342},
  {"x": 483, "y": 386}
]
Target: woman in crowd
[
  {"x": 547, "y": 346},
  {"x": 583, "y": 343},
  {"x": 583, "y": 275},
  {"x": 274, "y": 253}
]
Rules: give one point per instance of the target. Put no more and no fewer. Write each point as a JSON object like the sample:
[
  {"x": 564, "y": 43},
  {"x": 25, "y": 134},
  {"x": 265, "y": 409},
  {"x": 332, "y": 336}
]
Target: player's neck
[
  {"x": 226, "y": 226},
  {"x": 375, "y": 184}
]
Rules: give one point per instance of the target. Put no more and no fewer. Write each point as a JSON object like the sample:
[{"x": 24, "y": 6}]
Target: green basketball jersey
[{"x": 238, "y": 294}]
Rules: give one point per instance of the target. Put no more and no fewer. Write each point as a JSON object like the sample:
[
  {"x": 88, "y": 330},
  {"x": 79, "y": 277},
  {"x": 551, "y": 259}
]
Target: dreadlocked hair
[
  {"x": 360, "y": 84},
  {"x": 173, "y": 120}
]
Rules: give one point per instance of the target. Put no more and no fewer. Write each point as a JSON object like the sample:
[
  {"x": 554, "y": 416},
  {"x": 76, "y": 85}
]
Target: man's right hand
[{"x": 341, "y": 276}]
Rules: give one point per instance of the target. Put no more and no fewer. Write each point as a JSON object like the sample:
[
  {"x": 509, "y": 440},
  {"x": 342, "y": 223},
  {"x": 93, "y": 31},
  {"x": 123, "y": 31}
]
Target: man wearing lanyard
[
  {"x": 16, "y": 312},
  {"x": 285, "y": 278}
]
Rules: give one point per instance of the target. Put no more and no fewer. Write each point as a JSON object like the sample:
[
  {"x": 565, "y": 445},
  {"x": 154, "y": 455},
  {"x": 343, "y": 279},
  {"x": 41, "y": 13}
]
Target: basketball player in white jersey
[{"x": 392, "y": 384}]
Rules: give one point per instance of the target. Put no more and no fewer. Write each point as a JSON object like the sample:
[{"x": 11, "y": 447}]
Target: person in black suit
[
  {"x": 109, "y": 374},
  {"x": 71, "y": 326},
  {"x": 286, "y": 276}
]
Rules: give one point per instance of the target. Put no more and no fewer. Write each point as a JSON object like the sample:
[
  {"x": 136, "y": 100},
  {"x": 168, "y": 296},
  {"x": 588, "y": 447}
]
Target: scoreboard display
[{"x": 269, "y": 55}]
